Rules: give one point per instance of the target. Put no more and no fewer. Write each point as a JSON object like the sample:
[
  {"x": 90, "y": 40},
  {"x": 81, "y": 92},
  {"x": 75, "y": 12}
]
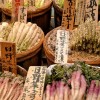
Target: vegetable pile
[
  {"x": 75, "y": 82},
  {"x": 84, "y": 38},
  {"x": 11, "y": 86},
  {"x": 35, "y": 3},
  {"x": 24, "y": 35}
]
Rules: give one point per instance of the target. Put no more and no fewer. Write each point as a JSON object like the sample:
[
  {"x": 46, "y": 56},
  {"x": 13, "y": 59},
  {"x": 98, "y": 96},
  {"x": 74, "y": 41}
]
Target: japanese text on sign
[
  {"x": 22, "y": 15},
  {"x": 80, "y": 12},
  {"x": 91, "y": 9},
  {"x": 62, "y": 41},
  {"x": 68, "y": 14},
  {"x": 34, "y": 84},
  {"x": 15, "y": 6},
  {"x": 8, "y": 57}
]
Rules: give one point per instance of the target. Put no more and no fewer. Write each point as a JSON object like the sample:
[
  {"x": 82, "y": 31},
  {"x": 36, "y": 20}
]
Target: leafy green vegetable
[{"x": 62, "y": 72}]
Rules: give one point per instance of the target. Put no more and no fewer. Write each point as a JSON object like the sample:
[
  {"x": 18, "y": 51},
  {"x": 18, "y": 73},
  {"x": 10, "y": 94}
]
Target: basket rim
[
  {"x": 36, "y": 12},
  {"x": 48, "y": 51}
]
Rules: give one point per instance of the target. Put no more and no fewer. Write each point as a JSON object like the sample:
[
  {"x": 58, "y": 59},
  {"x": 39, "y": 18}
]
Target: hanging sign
[
  {"x": 22, "y": 15},
  {"x": 68, "y": 14},
  {"x": 91, "y": 10},
  {"x": 15, "y": 8},
  {"x": 8, "y": 57},
  {"x": 80, "y": 12},
  {"x": 62, "y": 42},
  {"x": 34, "y": 83}
]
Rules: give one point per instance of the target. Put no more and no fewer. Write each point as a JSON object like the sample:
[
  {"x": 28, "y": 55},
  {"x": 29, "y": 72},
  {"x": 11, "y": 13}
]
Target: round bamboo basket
[
  {"x": 40, "y": 16},
  {"x": 50, "y": 54},
  {"x": 31, "y": 57}
]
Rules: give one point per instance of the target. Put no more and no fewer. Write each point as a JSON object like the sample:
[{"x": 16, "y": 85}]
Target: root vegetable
[
  {"x": 66, "y": 92},
  {"x": 13, "y": 33},
  {"x": 24, "y": 33},
  {"x": 20, "y": 30},
  {"x": 48, "y": 92},
  {"x": 90, "y": 91},
  {"x": 82, "y": 88}
]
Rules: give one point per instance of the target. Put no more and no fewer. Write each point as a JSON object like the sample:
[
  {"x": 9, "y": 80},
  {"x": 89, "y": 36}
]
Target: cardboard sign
[
  {"x": 91, "y": 9},
  {"x": 62, "y": 42},
  {"x": 15, "y": 8},
  {"x": 68, "y": 14},
  {"x": 34, "y": 83},
  {"x": 8, "y": 57},
  {"x": 22, "y": 15},
  {"x": 80, "y": 12}
]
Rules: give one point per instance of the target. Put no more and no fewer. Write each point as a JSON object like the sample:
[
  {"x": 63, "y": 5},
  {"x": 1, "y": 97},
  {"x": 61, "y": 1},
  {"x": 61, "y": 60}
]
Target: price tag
[
  {"x": 8, "y": 57},
  {"x": 34, "y": 83},
  {"x": 62, "y": 42},
  {"x": 91, "y": 9},
  {"x": 15, "y": 8},
  {"x": 22, "y": 15},
  {"x": 68, "y": 14},
  {"x": 80, "y": 12}
]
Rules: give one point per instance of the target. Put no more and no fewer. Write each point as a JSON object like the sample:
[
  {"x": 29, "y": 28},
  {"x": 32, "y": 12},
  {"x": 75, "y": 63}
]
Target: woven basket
[
  {"x": 31, "y": 57},
  {"x": 50, "y": 55},
  {"x": 40, "y": 16}
]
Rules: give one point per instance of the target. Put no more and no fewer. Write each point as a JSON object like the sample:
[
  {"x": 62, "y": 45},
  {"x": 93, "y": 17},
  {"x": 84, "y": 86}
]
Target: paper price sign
[
  {"x": 91, "y": 9},
  {"x": 62, "y": 42},
  {"x": 34, "y": 83},
  {"x": 22, "y": 14},
  {"x": 68, "y": 14},
  {"x": 8, "y": 57}
]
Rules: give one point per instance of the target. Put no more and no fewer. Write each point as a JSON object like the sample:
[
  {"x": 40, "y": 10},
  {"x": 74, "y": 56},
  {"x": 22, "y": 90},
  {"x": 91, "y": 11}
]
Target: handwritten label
[
  {"x": 22, "y": 15},
  {"x": 8, "y": 57},
  {"x": 34, "y": 83},
  {"x": 80, "y": 12},
  {"x": 62, "y": 41},
  {"x": 15, "y": 8},
  {"x": 68, "y": 14},
  {"x": 91, "y": 9}
]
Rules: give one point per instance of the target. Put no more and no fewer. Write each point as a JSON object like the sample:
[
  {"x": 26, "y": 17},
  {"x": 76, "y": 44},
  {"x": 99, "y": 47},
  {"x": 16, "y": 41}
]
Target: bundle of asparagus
[
  {"x": 11, "y": 86},
  {"x": 77, "y": 82},
  {"x": 24, "y": 35},
  {"x": 86, "y": 37}
]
